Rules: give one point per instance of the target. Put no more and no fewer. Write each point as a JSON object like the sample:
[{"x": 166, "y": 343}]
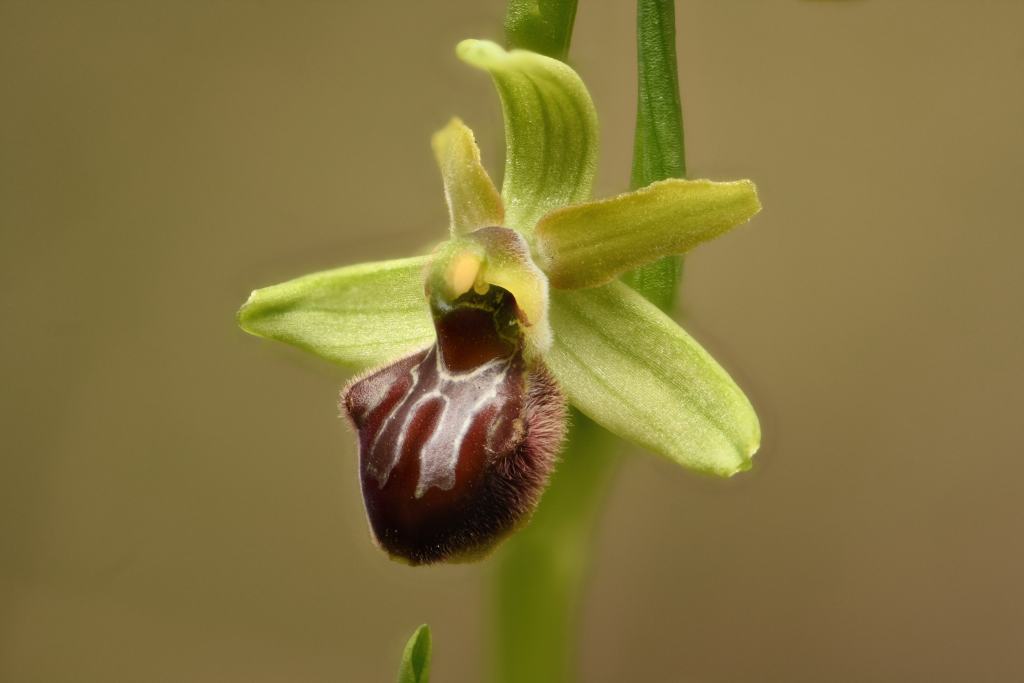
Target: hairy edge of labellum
[{"x": 456, "y": 442}]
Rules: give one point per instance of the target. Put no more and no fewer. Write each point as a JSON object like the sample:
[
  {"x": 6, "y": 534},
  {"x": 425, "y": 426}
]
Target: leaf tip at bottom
[{"x": 416, "y": 658}]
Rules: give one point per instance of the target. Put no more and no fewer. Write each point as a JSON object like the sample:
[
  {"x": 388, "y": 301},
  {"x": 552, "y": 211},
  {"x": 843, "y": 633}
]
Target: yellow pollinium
[{"x": 464, "y": 272}]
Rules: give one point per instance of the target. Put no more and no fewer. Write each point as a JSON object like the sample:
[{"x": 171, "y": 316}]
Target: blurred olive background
[{"x": 179, "y": 502}]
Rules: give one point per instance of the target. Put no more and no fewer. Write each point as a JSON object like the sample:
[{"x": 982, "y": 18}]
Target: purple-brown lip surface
[{"x": 456, "y": 442}]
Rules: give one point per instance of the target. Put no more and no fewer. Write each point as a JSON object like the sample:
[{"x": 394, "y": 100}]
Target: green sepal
[
  {"x": 550, "y": 130},
  {"x": 415, "y": 666},
  {"x": 590, "y": 244},
  {"x": 629, "y": 367},
  {"x": 357, "y": 316},
  {"x": 473, "y": 200}
]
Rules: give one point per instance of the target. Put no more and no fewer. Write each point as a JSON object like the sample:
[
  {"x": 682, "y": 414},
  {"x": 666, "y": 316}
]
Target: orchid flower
[{"x": 474, "y": 350}]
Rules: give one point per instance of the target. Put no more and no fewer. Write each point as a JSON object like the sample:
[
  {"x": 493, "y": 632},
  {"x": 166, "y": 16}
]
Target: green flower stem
[
  {"x": 540, "y": 572},
  {"x": 658, "y": 149},
  {"x": 544, "y": 26}
]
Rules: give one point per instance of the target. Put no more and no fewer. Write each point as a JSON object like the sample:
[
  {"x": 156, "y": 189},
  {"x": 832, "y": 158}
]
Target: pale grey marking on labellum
[{"x": 439, "y": 455}]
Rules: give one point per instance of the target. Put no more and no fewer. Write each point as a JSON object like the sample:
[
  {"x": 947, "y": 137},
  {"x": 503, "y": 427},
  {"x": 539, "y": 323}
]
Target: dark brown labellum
[{"x": 456, "y": 442}]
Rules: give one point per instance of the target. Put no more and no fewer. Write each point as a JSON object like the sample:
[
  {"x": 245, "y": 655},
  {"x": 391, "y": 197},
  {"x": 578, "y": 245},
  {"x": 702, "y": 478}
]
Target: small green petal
[
  {"x": 416, "y": 658},
  {"x": 501, "y": 257},
  {"x": 591, "y": 244},
  {"x": 473, "y": 201},
  {"x": 629, "y": 367},
  {"x": 550, "y": 130},
  {"x": 357, "y": 316}
]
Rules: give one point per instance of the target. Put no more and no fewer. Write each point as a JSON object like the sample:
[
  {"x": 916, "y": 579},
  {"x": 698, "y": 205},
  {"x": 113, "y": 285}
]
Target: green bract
[
  {"x": 618, "y": 358},
  {"x": 415, "y": 666}
]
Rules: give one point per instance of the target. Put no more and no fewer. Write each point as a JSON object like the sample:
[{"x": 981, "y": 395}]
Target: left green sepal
[{"x": 356, "y": 316}]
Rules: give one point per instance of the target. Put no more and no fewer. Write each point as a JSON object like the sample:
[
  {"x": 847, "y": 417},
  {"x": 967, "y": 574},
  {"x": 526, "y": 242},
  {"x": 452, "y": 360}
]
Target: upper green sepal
[
  {"x": 590, "y": 244},
  {"x": 632, "y": 369},
  {"x": 550, "y": 130},
  {"x": 415, "y": 666},
  {"x": 357, "y": 316}
]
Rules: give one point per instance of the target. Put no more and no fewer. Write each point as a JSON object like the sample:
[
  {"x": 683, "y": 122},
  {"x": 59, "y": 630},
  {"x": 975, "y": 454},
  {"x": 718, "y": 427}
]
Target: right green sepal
[{"x": 632, "y": 369}]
